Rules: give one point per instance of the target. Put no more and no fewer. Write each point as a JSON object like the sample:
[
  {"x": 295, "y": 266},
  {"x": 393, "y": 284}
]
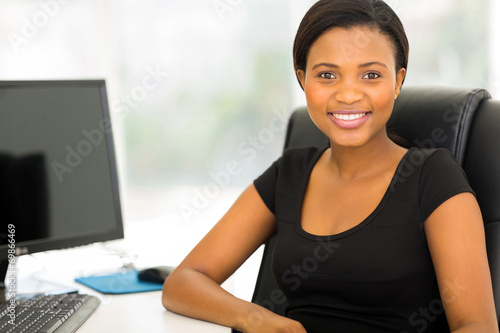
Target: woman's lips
[{"x": 349, "y": 120}]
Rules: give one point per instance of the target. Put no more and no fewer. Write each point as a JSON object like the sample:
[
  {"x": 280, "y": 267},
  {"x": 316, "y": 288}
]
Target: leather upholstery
[
  {"x": 465, "y": 121},
  {"x": 437, "y": 117},
  {"x": 482, "y": 166}
]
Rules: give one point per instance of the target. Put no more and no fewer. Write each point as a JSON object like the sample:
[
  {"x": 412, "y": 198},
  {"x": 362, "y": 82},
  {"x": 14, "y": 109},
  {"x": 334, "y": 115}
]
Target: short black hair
[{"x": 325, "y": 15}]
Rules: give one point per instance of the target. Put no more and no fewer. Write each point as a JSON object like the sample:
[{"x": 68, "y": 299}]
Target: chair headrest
[{"x": 432, "y": 117}]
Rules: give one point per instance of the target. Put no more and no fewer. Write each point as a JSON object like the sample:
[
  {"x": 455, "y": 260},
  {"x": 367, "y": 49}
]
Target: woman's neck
[{"x": 356, "y": 162}]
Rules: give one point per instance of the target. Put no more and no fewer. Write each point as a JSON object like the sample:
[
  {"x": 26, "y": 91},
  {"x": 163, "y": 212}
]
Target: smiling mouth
[{"x": 349, "y": 117}]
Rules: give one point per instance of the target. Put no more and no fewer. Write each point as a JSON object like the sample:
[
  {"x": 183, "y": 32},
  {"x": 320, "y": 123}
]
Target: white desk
[
  {"x": 142, "y": 312},
  {"x": 126, "y": 313},
  {"x": 139, "y": 312}
]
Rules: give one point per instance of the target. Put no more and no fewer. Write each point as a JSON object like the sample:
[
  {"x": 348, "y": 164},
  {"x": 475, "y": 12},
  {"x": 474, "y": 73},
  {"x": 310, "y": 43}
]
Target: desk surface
[
  {"x": 139, "y": 312},
  {"x": 125, "y": 313},
  {"x": 142, "y": 312}
]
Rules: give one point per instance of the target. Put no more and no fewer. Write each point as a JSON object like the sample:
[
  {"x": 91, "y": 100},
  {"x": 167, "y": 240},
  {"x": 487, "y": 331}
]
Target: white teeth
[{"x": 348, "y": 117}]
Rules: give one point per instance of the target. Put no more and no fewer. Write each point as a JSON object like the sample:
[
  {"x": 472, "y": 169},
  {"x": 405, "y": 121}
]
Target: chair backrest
[{"x": 466, "y": 122}]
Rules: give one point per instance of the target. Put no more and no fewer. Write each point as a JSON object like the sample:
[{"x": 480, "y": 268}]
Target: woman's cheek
[
  {"x": 383, "y": 99},
  {"x": 317, "y": 97}
]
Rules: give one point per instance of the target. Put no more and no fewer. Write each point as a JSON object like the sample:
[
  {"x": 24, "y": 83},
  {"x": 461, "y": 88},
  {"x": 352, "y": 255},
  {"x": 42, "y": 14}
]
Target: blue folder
[{"x": 118, "y": 283}]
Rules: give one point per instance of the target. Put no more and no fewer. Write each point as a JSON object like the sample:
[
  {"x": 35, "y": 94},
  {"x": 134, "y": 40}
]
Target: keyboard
[{"x": 61, "y": 313}]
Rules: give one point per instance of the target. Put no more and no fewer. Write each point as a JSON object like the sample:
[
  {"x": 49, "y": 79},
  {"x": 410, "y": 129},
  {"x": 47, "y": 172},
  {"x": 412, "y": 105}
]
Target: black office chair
[{"x": 467, "y": 122}]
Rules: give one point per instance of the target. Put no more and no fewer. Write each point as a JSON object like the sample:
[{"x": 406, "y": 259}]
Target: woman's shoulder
[
  {"x": 440, "y": 177},
  {"x": 431, "y": 157},
  {"x": 295, "y": 162},
  {"x": 436, "y": 168},
  {"x": 305, "y": 154},
  {"x": 425, "y": 167}
]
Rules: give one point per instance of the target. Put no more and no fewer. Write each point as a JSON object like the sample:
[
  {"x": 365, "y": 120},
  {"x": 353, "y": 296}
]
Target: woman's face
[{"x": 350, "y": 84}]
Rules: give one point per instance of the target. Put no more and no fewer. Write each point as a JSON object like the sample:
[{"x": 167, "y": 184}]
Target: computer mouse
[{"x": 156, "y": 274}]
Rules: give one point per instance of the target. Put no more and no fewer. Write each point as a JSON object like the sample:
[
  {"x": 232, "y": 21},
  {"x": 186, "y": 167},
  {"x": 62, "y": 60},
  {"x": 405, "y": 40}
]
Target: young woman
[{"x": 392, "y": 251}]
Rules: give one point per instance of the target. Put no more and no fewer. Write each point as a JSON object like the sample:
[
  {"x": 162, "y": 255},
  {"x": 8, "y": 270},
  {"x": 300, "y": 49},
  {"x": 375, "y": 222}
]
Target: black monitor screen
[{"x": 58, "y": 179}]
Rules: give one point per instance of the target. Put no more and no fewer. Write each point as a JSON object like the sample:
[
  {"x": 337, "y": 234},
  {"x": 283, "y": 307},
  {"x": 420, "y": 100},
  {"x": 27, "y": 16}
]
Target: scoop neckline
[{"x": 359, "y": 226}]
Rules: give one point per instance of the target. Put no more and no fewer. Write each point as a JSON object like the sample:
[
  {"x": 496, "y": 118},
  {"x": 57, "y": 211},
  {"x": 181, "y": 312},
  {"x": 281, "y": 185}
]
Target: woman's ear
[
  {"x": 301, "y": 75},
  {"x": 400, "y": 76}
]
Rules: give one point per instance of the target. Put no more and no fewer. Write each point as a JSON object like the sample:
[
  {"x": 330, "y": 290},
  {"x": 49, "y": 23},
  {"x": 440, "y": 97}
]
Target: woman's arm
[
  {"x": 455, "y": 234},
  {"x": 194, "y": 290}
]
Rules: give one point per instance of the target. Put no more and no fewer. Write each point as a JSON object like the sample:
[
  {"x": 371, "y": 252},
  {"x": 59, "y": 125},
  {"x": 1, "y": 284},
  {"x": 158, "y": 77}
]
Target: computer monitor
[{"x": 58, "y": 175}]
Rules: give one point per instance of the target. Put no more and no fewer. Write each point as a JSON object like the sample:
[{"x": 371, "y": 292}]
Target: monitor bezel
[{"x": 48, "y": 244}]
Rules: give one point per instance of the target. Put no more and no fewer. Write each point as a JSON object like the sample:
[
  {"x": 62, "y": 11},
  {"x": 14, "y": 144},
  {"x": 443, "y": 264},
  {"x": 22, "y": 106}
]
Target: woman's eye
[
  {"x": 371, "y": 76},
  {"x": 328, "y": 76}
]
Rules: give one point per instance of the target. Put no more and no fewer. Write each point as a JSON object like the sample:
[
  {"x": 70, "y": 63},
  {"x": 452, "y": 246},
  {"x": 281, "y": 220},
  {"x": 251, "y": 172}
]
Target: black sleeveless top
[{"x": 377, "y": 276}]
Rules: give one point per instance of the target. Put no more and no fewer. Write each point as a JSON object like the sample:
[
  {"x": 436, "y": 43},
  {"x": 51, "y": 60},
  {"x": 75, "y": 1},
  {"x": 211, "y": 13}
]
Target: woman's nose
[{"x": 348, "y": 93}]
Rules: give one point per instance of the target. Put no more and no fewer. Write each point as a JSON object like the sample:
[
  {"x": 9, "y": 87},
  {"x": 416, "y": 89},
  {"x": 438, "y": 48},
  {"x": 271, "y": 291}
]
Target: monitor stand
[{"x": 30, "y": 287}]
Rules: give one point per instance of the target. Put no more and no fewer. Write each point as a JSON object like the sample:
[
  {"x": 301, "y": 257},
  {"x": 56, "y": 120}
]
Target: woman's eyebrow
[
  {"x": 325, "y": 64},
  {"x": 368, "y": 64}
]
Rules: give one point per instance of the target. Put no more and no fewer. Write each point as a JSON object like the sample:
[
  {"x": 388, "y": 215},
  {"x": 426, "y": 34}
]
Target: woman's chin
[{"x": 348, "y": 141}]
